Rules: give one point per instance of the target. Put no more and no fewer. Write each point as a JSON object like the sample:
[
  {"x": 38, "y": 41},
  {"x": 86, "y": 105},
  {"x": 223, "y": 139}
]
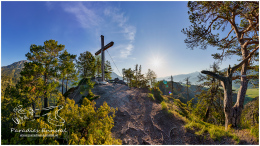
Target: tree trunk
[
  {"x": 207, "y": 114},
  {"x": 227, "y": 85},
  {"x": 187, "y": 93},
  {"x": 45, "y": 93},
  {"x": 232, "y": 114},
  {"x": 238, "y": 107},
  {"x": 67, "y": 84},
  {"x": 62, "y": 86},
  {"x": 33, "y": 107}
]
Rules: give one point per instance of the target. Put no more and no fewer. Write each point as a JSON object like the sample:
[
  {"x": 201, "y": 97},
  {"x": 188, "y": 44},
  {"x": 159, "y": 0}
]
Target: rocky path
[{"x": 139, "y": 120}]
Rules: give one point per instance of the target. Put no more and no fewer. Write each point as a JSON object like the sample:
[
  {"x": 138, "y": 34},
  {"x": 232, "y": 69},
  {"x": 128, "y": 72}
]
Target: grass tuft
[
  {"x": 164, "y": 105},
  {"x": 150, "y": 95},
  {"x": 255, "y": 131}
]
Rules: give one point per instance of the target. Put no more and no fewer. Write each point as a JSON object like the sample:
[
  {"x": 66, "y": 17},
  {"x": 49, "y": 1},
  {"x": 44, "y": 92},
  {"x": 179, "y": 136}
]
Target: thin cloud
[
  {"x": 85, "y": 16},
  {"x": 127, "y": 30},
  {"x": 49, "y": 5},
  {"x": 89, "y": 18},
  {"x": 124, "y": 53}
]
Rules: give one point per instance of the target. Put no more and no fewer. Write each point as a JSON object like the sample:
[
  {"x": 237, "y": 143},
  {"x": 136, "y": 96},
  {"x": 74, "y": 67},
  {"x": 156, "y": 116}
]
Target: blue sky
[{"x": 146, "y": 33}]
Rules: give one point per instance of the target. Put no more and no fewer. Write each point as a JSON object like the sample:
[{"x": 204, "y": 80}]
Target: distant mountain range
[
  {"x": 114, "y": 75},
  {"x": 180, "y": 78},
  {"x": 12, "y": 72},
  {"x": 194, "y": 78}
]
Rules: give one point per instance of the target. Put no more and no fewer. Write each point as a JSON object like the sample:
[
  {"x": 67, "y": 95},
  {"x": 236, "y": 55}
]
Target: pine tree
[
  {"x": 47, "y": 57},
  {"x": 129, "y": 74},
  {"x": 187, "y": 86},
  {"x": 67, "y": 68},
  {"x": 31, "y": 84},
  {"x": 207, "y": 19},
  {"x": 123, "y": 72},
  {"x": 210, "y": 103},
  {"x": 86, "y": 64},
  {"x": 98, "y": 65},
  {"x": 136, "y": 75},
  {"x": 108, "y": 70},
  {"x": 151, "y": 76}
]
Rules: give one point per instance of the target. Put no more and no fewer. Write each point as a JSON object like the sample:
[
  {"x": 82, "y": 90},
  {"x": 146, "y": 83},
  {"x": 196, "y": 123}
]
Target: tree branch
[
  {"x": 228, "y": 34},
  {"x": 231, "y": 41},
  {"x": 213, "y": 75},
  {"x": 209, "y": 27},
  {"x": 241, "y": 63},
  {"x": 250, "y": 42}
]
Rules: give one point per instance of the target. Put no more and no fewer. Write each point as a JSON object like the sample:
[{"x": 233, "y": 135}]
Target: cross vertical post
[{"x": 102, "y": 59}]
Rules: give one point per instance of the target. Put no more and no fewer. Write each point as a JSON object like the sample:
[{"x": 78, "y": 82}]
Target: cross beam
[{"x": 103, "y": 48}]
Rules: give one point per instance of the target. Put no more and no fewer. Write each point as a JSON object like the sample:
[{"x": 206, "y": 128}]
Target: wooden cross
[{"x": 103, "y": 48}]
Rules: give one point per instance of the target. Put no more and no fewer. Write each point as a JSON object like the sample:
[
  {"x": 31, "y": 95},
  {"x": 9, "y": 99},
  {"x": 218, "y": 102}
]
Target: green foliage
[
  {"x": 43, "y": 67},
  {"x": 190, "y": 104},
  {"x": 12, "y": 99},
  {"x": 129, "y": 75},
  {"x": 67, "y": 68},
  {"x": 151, "y": 76},
  {"x": 98, "y": 65},
  {"x": 202, "y": 128},
  {"x": 157, "y": 94},
  {"x": 252, "y": 93},
  {"x": 135, "y": 78},
  {"x": 164, "y": 105},
  {"x": 88, "y": 126},
  {"x": 211, "y": 17},
  {"x": 182, "y": 107},
  {"x": 108, "y": 70},
  {"x": 83, "y": 125},
  {"x": 86, "y": 64},
  {"x": 210, "y": 100},
  {"x": 255, "y": 131},
  {"x": 86, "y": 85},
  {"x": 250, "y": 117},
  {"x": 150, "y": 95},
  {"x": 39, "y": 82}
]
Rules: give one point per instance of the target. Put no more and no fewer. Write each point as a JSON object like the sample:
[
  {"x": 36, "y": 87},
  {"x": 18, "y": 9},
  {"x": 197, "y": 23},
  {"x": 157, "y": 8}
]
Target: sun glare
[{"x": 156, "y": 62}]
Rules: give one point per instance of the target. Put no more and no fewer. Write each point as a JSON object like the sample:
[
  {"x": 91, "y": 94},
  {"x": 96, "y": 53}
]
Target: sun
[{"x": 156, "y": 62}]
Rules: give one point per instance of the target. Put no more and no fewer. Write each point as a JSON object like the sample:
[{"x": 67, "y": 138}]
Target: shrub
[
  {"x": 250, "y": 114},
  {"x": 164, "y": 105},
  {"x": 84, "y": 125},
  {"x": 157, "y": 94},
  {"x": 150, "y": 95}
]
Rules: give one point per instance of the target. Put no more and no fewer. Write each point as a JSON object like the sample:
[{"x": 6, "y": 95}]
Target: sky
[{"x": 144, "y": 33}]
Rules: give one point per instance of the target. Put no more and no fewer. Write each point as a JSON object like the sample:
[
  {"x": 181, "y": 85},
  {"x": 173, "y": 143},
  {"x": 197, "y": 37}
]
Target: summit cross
[{"x": 103, "y": 48}]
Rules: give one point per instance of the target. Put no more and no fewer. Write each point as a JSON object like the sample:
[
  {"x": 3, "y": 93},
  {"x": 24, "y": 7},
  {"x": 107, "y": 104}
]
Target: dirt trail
[{"x": 139, "y": 120}]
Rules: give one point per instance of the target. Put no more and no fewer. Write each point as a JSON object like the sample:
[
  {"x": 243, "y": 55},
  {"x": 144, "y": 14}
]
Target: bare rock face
[
  {"x": 138, "y": 119},
  {"x": 121, "y": 82}
]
